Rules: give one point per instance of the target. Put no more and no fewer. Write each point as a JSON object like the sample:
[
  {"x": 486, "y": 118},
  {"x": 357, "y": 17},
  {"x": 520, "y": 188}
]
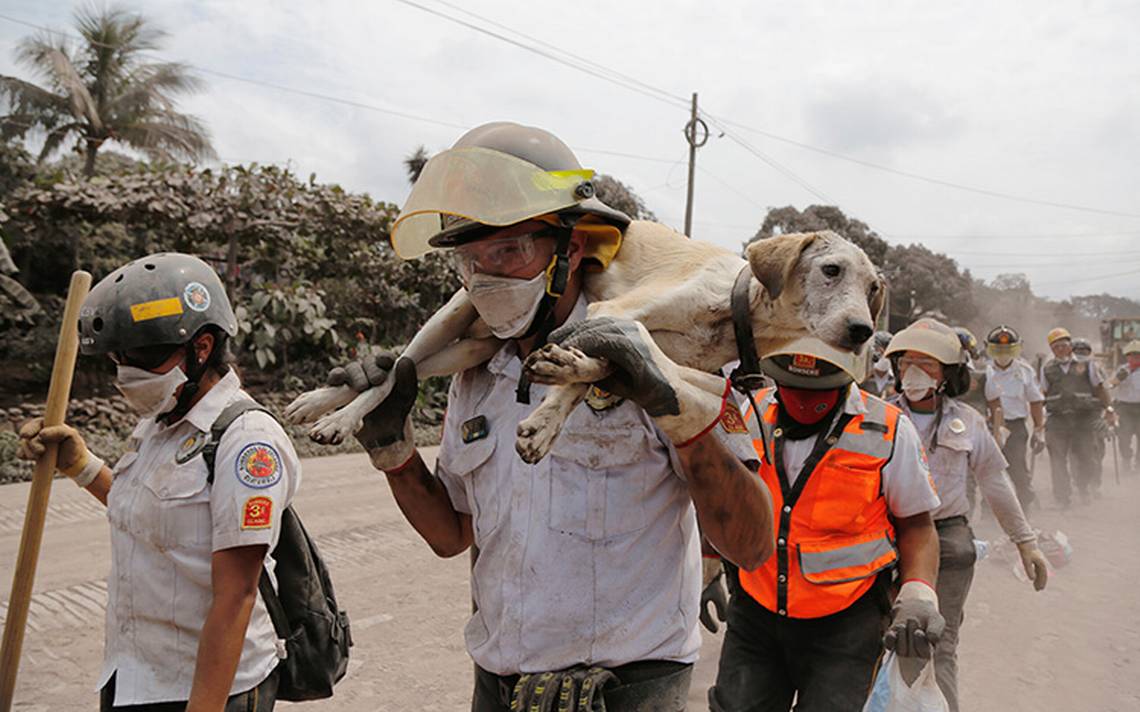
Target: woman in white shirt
[{"x": 185, "y": 627}]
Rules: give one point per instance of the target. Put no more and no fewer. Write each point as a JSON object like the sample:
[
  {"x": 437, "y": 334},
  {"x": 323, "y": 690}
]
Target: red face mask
[
  {"x": 1133, "y": 362},
  {"x": 808, "y": 407}
]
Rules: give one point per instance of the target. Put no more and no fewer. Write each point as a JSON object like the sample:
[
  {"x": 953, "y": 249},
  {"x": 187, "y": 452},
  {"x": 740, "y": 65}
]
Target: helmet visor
[
  {"x": 1003, "y": 351},
  {"x": 483, "y": 186}
]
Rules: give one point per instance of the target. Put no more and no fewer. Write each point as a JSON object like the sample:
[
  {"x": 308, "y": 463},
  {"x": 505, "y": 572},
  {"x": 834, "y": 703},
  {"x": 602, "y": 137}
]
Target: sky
[{"x": 1038, "y": 101}]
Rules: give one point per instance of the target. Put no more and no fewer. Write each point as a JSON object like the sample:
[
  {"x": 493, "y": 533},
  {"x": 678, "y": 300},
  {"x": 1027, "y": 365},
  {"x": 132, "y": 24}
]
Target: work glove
[
  {"x": 386, "y": 432},
  {"x": 1034, "y": 562},
  {"x": 1037, "y": 441},
  {"x": 682, "y": 411},
  {"x": 72, "y": 456},
  {"x": 713, "y": 592},
  {"x": 364, "y": 373},
  {"x": 916, "y": 624}
]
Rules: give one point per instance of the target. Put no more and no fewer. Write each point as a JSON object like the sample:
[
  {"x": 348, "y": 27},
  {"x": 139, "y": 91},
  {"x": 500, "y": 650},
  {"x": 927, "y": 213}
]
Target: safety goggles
[
  {"x": 147, "y": 358},
  {"x": 926, "y": 363},
  {"x": 502, "y": 257}
]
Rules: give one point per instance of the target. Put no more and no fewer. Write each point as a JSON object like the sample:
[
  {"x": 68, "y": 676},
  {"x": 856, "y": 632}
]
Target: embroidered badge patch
[
  {"x": 599, "y": 400},
  {"x": 258, "y": 466},
  {"x": 731, "y": 420},
  {"x": 196, "y": 296},
  {"x": 190, "y": 447},
  {"x": 257, "y": 513}
]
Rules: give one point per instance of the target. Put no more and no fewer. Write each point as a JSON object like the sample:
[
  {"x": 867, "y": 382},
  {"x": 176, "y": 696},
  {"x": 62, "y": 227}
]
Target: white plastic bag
[{"x": 890, "y": 692}]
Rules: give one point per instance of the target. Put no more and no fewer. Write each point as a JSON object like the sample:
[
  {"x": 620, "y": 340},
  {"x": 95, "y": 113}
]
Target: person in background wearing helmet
[
  {"x": 1083, "y": 353},
  {"x": 930, "y": 366},
  {"x": 186, "y": 628},
  {"x": 1012, "y": 386},
  {"x": 589, "y": 562},
  {"x": 853, "y": 498},
  {"x": 880, "y": 382},
  {"x": 1075, "y": 397},
  {"x": 1126, "y": 391}
]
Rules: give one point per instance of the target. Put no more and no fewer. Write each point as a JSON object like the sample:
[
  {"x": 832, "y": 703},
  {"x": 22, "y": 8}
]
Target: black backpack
[{"x": 303, "y": 608}]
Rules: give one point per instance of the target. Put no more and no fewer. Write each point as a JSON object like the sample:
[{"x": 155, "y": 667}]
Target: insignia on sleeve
[
  {"x": 731, "y": 420},
  {"x": 258, "y": 465},
  {"x": 257, "y": 513},
  {"x": 599, "y": 400}
]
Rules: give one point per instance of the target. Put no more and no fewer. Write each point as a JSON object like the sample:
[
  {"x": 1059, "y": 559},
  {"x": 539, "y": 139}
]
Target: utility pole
[{"x": 697, "y": 135}]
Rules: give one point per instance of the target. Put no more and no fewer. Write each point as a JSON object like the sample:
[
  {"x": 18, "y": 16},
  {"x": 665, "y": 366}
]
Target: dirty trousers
[
  {"x": 955, "y": 574},
  {"x": 259, "y": 699},
  {"x": 829, "y": 662},
  {"x": 646, "y": 686},
  {"x": 1129, "y": 429},
  {"x": 1072, "y": 455},
  {"x": 1015, "y": 452}
]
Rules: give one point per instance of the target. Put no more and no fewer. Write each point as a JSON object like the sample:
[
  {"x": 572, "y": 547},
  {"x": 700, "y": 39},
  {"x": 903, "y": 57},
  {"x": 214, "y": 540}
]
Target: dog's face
[{"x": 827, "y": 282}]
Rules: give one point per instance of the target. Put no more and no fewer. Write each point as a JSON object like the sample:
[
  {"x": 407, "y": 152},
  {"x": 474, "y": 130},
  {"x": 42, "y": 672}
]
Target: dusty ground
[{"x": 1075, "y": 647}]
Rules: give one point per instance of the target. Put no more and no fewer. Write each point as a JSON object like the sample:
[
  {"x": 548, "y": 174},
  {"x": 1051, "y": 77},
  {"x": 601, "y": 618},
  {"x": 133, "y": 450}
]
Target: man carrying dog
[
  {"x": 853, "y": 497},
  {"x": 588, "y": 572}
]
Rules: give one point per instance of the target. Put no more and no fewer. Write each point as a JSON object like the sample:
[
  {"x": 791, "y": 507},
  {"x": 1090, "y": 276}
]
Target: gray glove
[
  {"x": 916, "y": 624},
  {"x": 386, "y": 432},
  {"x": 1037, "y": 441},
  {"x": 714, "y": 593},
  {"x": 362, "y": 374},
  {"x": 620, "y": 341}
]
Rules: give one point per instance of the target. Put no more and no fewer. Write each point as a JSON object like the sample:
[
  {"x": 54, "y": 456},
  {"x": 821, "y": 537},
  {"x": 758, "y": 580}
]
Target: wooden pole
[
  {"x": 696, "y": 134},
  {"x": 59, "y": 391}
]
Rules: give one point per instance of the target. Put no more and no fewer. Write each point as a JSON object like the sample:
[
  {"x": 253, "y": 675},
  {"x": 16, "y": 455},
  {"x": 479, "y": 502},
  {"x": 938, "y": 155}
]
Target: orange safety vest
[{"x": 833, "y": 534}]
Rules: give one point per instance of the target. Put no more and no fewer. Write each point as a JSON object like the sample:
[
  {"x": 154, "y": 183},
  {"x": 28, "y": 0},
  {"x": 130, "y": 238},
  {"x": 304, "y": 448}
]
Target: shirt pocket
[
  {"x": 950, "y": 461},
  {"x": 482, "y": 484},
  {"x": 842, "y": 495},
  {"x": 177, "y": 506},
  {"x": 600, "y": 477}
]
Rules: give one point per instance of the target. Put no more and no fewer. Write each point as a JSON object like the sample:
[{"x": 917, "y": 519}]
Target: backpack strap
[{"x": 225, "y": 419}]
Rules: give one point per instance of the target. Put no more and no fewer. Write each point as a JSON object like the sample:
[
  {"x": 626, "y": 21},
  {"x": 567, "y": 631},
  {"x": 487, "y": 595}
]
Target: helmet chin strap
[
  {"x": 194, "y": 373},
  {"x": 557, "y": 277}
]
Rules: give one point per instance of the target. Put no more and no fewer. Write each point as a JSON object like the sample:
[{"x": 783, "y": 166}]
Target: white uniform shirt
[
  {"x": 965, "y": 446},
  {"x": 907, "y": 486},
  {"x": 1016, "y": 387},
  {"x": 1128, "y": 390},
  {"x": 590, "y": 556},
  {"x": 165, "y": 523}
]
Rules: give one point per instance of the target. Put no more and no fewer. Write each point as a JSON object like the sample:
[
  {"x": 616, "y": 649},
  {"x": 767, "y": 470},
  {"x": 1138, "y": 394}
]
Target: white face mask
[
  {"x": 1003, "y": 361},
  {"x": 1081, "y": 358},
  {"x": 917, "y": 384},
  {"x": 507, "y": 304},
  {"x": 149, "y": 394}
]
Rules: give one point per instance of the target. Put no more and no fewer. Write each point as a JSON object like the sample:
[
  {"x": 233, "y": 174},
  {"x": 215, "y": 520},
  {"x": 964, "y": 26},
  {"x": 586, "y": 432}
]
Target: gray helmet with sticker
[{"x": 164, "y": 298}]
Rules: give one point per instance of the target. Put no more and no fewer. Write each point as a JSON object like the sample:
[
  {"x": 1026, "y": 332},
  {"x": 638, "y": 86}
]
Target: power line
[{"x": 928, "y": 179}]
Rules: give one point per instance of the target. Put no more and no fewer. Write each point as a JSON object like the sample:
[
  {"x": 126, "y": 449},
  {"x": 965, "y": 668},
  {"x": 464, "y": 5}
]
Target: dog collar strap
[{"x": 747, "y": 376}]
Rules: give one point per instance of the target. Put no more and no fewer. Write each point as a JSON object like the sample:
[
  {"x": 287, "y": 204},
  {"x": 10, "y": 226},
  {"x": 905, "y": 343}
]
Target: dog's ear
[
  {"x": 774, "y": 260},
  {"x": 878, "y": 299}
]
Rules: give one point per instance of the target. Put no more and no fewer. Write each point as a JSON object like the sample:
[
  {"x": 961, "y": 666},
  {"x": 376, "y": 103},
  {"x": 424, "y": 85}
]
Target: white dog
[{"x": 679, "y": 290}]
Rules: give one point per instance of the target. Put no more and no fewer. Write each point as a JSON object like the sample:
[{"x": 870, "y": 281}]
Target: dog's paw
[
  {"x": 556, "y": 365},
  {"x": 535, "y": 436},
  {"x": 334, "y": 428},
  {"x": 311, "y": 405}
]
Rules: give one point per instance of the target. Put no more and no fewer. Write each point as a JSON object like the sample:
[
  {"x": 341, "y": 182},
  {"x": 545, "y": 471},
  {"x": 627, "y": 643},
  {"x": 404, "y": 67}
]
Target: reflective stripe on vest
[{"x": 833, "y": 532}]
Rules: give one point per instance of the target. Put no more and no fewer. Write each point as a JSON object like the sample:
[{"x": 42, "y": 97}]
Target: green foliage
[
  {"x": 101, "y": 89},
  {"x": 279, "y": 325}
]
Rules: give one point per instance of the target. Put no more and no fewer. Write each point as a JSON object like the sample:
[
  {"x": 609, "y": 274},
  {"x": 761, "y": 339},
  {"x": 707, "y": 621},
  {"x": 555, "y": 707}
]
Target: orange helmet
[{"x": 1057, "y": 334}]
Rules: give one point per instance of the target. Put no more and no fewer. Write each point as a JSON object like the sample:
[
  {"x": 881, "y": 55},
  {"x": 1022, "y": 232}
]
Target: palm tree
[
  {"x": 414, "y": 163},
  {"x": 100, "y": 89}
]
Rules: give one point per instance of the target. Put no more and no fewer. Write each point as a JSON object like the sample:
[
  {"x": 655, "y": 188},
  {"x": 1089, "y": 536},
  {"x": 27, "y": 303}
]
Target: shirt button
[
  {"x": 787, "y": 509},
  {"x": 124, "y": 627},
  {"x": 781, "y": 542},
  {"x": 163, "y": 491},
  {"x": 783, "y": 578}
]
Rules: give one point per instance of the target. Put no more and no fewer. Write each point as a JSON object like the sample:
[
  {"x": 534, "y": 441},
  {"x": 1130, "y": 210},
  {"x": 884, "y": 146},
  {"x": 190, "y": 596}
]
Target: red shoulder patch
[
  {"x": 257, "y": 513},
  {"x": 731, "y": 420}
]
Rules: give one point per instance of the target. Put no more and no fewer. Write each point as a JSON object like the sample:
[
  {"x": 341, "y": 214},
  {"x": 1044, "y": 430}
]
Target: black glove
[
  {"x": 716, "y": 594},
  {"x": 622, "y": 343},
  {"x": 362, "y": 374},
  {"x": 386, "y": 432}
]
